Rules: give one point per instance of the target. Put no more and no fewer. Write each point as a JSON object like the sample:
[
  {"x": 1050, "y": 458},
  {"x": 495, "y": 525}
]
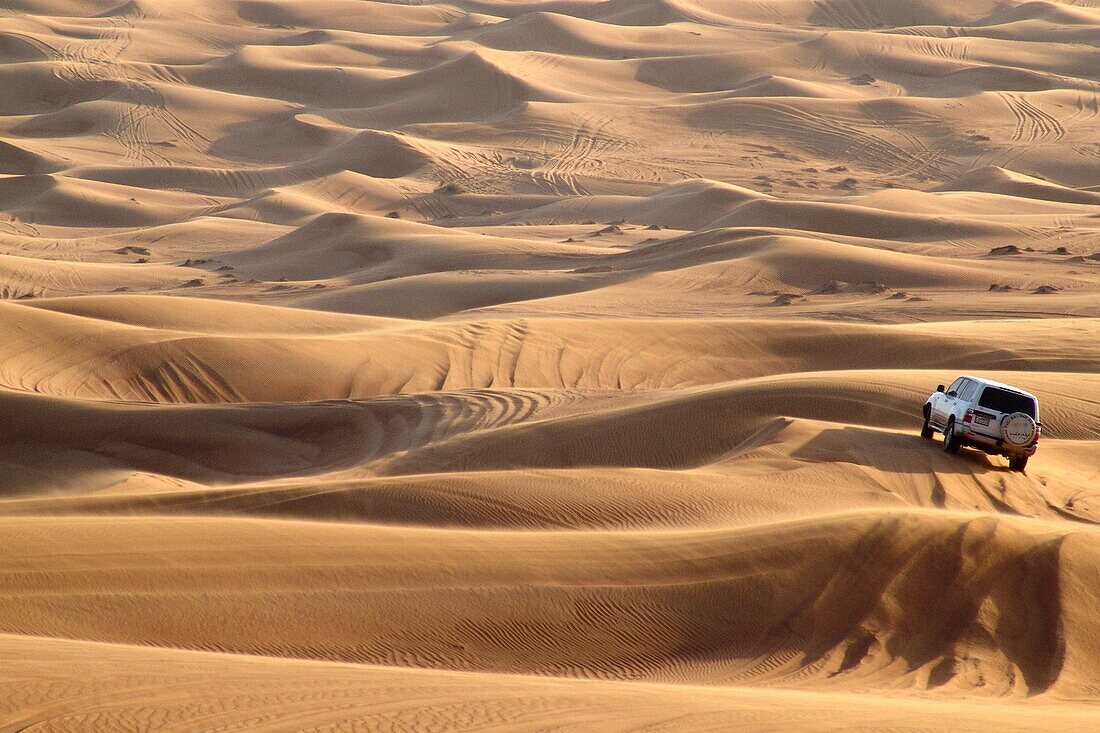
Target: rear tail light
[{"x": 969, "y": 416}]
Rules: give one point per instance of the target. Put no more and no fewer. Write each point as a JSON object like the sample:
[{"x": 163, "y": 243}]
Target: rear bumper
[{"x": 999, "y": 447}]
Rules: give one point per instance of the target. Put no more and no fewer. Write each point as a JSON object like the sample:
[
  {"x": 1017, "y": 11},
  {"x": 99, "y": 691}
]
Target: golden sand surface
[{"x": 558, "y": 365}]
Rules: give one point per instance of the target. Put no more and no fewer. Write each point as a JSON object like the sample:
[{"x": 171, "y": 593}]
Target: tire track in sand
[{"x": 142, "y": 105}]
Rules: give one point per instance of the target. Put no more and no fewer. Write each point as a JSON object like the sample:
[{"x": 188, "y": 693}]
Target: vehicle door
[
  {"x": 954, "y": 400},
  {"x": 964, "y": 402},
  {"x": 944, "y": 406}
]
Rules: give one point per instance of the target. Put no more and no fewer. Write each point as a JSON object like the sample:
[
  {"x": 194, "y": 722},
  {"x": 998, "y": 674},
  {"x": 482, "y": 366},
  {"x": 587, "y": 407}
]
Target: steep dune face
[
  {"x": 790, "y": 612},
  {"x": 508, "y": 366}
]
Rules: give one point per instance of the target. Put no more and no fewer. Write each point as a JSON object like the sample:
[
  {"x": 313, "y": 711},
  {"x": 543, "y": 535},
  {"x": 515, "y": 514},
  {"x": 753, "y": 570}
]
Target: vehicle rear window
[{"x": 1002, "y": 400}]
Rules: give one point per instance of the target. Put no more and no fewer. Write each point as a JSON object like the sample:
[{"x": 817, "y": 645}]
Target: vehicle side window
[
  {"x": 954, "y": 388},
  {"x": 968, "y": 389}
]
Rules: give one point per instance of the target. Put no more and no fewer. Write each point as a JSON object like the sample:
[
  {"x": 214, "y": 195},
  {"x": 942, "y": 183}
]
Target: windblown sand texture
[{"x": 558, "y": 365}]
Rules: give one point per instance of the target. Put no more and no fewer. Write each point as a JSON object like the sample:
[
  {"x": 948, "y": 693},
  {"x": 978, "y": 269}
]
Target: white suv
[{"x": 990, "y": 416}]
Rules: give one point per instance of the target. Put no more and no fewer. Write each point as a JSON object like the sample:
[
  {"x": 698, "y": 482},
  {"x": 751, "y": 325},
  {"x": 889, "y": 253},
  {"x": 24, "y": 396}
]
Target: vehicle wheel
[
  {"x": 1017, "y": 463},
  {"x": 1018, "y": 429},
  {"x": 951, "y": 441},
  {"x": 926, "y": 430}
]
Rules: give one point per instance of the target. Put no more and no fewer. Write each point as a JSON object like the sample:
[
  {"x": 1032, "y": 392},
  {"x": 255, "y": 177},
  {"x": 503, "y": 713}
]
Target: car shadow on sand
[{"x": 896, "y": 452}]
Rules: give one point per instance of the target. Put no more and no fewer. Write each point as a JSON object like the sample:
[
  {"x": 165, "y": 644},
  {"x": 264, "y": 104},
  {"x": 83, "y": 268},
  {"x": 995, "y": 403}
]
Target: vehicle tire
[
  {"x": 926, "y": 430},
  {"x": 1017, "y": 463},
  {"x": 951, "y": 442}
]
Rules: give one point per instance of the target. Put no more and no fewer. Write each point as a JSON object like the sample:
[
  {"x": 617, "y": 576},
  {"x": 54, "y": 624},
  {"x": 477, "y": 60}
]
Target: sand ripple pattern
[{"x": 477, "y": 365}]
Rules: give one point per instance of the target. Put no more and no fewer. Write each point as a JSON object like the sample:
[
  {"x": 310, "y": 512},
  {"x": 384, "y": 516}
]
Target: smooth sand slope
[{"x": 551, "y": 365}]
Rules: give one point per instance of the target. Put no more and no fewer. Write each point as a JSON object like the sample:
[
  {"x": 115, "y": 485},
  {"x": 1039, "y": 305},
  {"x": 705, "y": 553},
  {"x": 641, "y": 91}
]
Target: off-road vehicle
[{"x": 990, "y": 416}]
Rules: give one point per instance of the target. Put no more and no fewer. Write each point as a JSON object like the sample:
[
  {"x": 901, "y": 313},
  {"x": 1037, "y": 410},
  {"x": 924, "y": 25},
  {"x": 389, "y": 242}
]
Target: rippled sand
[{"x": 545, "y": 365}]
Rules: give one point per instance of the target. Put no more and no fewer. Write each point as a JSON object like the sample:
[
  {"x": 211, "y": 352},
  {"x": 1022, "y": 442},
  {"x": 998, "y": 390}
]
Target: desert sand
[{"x": 556, "y": 365}]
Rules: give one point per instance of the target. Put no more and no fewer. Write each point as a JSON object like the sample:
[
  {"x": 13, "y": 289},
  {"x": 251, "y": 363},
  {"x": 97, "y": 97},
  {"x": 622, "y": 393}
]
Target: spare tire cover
[{"x": 1019, "y": 429}]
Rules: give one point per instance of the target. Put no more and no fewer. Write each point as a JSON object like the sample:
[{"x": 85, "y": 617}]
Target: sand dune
[
  {"x": 244, "y": 692},
  {"x": 623, "y": 603},
  {"x": 263, "y": 354},
  {"x": 486, "y": 365}
]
